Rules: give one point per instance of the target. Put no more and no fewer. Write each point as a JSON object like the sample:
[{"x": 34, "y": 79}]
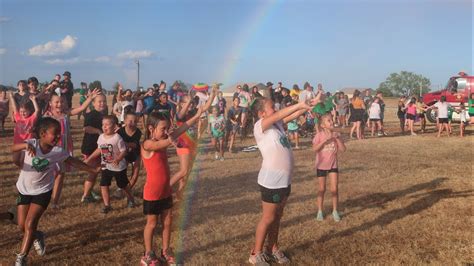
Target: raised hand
[{"x": 31, "y": 150}]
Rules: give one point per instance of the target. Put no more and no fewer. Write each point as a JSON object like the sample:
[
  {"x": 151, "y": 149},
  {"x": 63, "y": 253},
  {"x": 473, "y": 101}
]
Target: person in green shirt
[{"x": 471, "y": 108}]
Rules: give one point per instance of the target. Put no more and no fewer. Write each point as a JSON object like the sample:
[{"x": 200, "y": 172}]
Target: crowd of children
[{"x": 42, "y": 146}]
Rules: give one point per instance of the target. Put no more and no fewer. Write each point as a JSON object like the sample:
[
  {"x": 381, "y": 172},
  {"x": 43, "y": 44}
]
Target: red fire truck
[{"x": 458, "y": 90}]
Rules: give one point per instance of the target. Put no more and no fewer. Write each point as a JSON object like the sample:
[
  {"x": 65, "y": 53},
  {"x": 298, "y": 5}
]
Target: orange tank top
[{"x": 157, "y": 185}]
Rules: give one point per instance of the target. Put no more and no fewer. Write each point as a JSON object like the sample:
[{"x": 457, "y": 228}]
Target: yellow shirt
[{"x": 294, "y": 93}]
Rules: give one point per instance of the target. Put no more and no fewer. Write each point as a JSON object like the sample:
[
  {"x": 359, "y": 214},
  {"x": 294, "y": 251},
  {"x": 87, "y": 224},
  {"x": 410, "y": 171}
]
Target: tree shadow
[
  {"x": 425, "y": 201},
  {"x": 378, "y": 200}
]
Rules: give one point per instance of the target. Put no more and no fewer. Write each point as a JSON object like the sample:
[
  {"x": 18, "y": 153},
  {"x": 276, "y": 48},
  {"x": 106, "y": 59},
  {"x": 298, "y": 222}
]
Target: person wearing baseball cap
[{"x": 67, "y": 88}]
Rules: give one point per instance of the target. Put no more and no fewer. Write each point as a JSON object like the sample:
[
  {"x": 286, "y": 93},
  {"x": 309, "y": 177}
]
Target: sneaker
[
  {"x": 413, "y": 134},
  {"x": 258, "y": 259},
  {"x": 320, "y": 216},
  {"x": 216, "y": 156},
  {"x": 38, "y": 243},
  {"x": 88, "y": 199},
  {"x": 131, "y": 204},
  {"x": 149, "y": 259},
  {"x": 20, "y": 260},
  {"x": 96, "y": 196},
  {"x": 106, "y": 209},
  {"x": 168, "y": 257},
  {"x": 222, "y": 158},
  {"x": 280, "y": 257},
  {"x": 380, "y": 134},
  {"x": 336, "y": 216},
  {"x": 118, "y": 194}
]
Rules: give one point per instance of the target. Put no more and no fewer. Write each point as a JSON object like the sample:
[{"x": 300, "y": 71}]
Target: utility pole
[{"x": 138, "y": 74}]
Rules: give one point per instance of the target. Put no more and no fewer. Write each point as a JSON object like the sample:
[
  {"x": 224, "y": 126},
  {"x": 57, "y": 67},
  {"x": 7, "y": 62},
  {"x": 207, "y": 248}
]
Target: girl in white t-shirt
[
  {"x": 375, "y": 117},
  {"x": 36, "y": 181},
  {"x": 274, "y": 178}
]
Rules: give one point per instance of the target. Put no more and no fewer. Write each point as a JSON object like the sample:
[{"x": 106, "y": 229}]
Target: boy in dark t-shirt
[
  {"x": 131, "y": 135},
  {"x": 92, "y": 131}
]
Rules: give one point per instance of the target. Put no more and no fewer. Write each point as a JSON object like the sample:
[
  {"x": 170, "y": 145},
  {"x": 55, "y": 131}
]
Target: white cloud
[
  {"x": 3, "y": 51},
  {"x": 102, "y": 59},
  {"x": 136, "y": 54},
  {"x": 62, "y": 62},
  {"x": 77, "y": 60},
  {"x": 52, "y": 48},
  {"x": 4, "y": 19}
]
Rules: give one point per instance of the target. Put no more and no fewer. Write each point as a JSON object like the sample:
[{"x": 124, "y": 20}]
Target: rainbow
[
  {"x": 261, "y": 14},
  {"x": 240, "y": 44}
]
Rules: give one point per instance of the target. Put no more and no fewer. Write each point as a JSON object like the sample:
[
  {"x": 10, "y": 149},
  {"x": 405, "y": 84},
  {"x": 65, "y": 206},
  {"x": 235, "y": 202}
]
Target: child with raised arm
[
  {"x": 274, "y": 178},
  {"x": 92, "y": 131},
  {"x": 157, "y": 199},
  {"x": 217, "y": 129},
  {"x": 327, "y": 144},
  {"x": 112, "y": 150},
  {"x": 59, "y": 110},
  {"x": 36, "y": 181},
  {"x": 25, "y": 115}
]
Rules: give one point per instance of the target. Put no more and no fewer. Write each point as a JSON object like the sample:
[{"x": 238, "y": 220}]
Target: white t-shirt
[
  {"x": 442, "y": 109},
  {"x": 277, "y": 156},
  {"x": 374, "y": 111},
  {"x": 37, "y": 174},
  {"x": 306, "y": 95},
  {"x": 202, "y": 98},
  {"x": 124, "y": 104},
  {"x": 110, "y": 148}
]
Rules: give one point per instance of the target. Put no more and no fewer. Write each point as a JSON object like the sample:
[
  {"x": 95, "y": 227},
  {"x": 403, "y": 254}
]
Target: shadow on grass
[
  {"x": 424, "y": 201},
  {"x": 378, "y": 200}
]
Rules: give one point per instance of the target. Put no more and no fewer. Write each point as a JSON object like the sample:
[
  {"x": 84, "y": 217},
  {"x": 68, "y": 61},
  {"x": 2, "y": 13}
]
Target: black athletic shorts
[
  {"x": 443, "y": 120},
  {"x": 156, "y": 207},
  {"x": 374, "y": 119},
  {"x": 325, "y": 173},
  {"x": 120, "y": 178},
  {"x": 411, "y": 117},
  {"x": 41, "y": 199},
  {"x": 274, "y": 195}
]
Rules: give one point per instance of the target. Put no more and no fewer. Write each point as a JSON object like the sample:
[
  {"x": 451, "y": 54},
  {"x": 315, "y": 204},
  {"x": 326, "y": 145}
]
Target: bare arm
[
  {"x": 156, "y": 145},
  {"x": 180, "y": 130},
  {"x": 94, "y": 155},
  {"x": 182, "y": 112},
  {"x": 78, "y": 164},
  {"x": 318, "y": 146},
  {"x": 119, "y": 93},
  {"x": 340, "y": 144},
  {"x": 92, "y": 130},
  {"x": 294, "y": 116},
  {"x": 86, "y": 103},
  {"x": 214, "y": 91},
  {"x": 14, "y": 105},
  {"x": 35, "y": 105},
  {"x": 267, "y": 122}
]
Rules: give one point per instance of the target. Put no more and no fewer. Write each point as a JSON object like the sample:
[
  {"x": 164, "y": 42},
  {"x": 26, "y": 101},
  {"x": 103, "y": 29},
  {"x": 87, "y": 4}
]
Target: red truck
[{"x": 458, "y": 89}]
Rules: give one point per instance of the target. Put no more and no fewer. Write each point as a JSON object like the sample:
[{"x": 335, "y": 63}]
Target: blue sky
[{"x": 337, "y": 43}]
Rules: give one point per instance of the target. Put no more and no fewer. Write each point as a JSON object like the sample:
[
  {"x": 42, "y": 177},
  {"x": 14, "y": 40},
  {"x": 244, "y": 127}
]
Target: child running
[
  {"x": 36, "y": 181},
  {"x": 327, "y": 144},
  {"x": 157, "y": 199},
  {"x": 25, "y": 115},
  {"x": 112, "y": 150},
  {"x": 274, "y": 178},
  {"x": 217, "y": 129}
]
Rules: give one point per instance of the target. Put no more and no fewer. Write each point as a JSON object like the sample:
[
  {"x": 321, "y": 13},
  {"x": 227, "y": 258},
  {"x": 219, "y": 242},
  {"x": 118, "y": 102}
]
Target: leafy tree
[{"x": 405, "y": 83}]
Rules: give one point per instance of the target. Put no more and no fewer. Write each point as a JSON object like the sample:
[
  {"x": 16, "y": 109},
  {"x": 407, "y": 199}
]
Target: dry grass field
[{"x": 404, "y": 200}]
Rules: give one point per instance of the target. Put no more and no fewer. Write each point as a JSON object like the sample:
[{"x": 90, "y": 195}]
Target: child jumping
[
  {"x": 327, "y": 144},
  {"x": 112, "y": 150},
  {"x": 274, "y": 178},
  {"x": 157, "y": 198},
  {"x": 36, "y": 181}
]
